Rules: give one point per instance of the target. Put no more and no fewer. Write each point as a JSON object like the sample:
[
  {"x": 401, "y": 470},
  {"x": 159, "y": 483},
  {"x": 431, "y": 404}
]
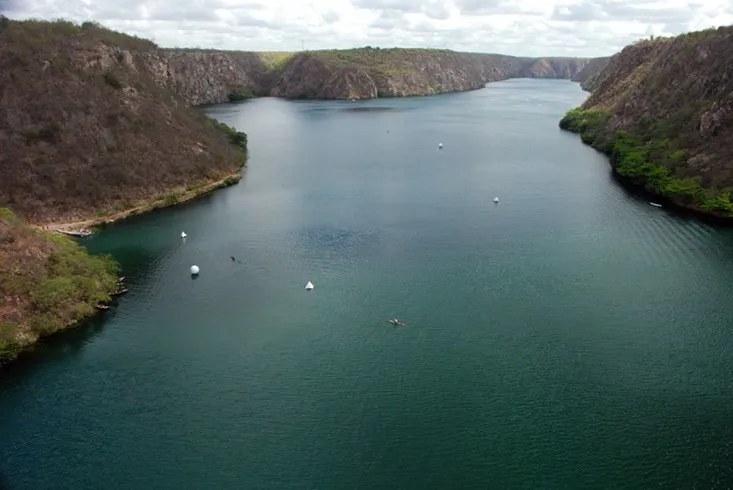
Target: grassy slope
[
  {"x": 48, "y": 284},
  {"x": 85, "y": 129},
  {"x": 648, "y": 111}
]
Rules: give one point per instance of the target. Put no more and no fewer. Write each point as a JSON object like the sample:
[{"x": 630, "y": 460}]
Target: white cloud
[{"x": 519, "y": 27}]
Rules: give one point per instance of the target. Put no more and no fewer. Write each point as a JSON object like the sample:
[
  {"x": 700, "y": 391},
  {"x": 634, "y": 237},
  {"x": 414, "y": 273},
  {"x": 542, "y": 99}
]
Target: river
[{"x": 570, "y": 336}]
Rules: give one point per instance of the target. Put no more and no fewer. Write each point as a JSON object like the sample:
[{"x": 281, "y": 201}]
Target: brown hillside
[
  {"x": 85, "y": 129},
  {"x": 664, "y": 109}
]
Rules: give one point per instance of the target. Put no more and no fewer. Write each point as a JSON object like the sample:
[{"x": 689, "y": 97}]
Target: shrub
[
  {"x": 237, "y": 138},
  {"x": 239, "y": 96},
  {"x": 112, "y": 80},
  {"x": 646, "y": 157}
]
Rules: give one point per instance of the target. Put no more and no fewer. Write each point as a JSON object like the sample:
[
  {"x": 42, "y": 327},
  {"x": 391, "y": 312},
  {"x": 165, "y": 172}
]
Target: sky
[{"x": 523, "y": 28}]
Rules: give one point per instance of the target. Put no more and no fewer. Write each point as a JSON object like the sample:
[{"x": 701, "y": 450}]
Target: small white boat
[
  {"x": 81, "y": 233},
  {"x": 194, "y": 270},
  {"x": 440, "y": 145},
  {"x": 496, "y": 200},
  {"x": 655, "y": 204},
  {"x": 309, "y": 286},
  {"x": 183, "y": 234}
]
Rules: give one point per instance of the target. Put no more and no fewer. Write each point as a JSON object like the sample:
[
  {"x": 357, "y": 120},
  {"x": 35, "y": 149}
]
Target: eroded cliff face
[
  {"x": 205, "y": 77},
  {"x": 663, "y": 109},
  {"x": 588, "y": 75},
  {"x": 407, "y": 72}
]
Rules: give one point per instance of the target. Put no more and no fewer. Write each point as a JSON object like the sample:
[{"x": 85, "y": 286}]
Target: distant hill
[
  {"x": 663, "y": 110},
  {"x": 210, "y": 76},
  {"x": 369, "y": 72}
]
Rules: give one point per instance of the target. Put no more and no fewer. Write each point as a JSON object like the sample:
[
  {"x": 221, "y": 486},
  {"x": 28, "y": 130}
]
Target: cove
[{"x": 571, "y": 336}]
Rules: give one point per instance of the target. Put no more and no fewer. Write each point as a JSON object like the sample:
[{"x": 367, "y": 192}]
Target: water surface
[{"x": 571, "y": 336}]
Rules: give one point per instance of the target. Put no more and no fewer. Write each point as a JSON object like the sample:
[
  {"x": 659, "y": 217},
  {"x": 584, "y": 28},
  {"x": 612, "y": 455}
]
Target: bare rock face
[
  {"x": 208, "y": 77},
  {"x": 718, "y": 117},
  {"x": 349, "y": 83},
  {"x": 304, "y": 77},
  {"x": 403, "y": 72}
]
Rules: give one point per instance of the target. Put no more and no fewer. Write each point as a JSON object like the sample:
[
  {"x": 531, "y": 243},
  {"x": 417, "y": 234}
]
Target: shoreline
[
  {"x": 173, "y": 198},
  {"x": 26, "y": 341},
  {"x": 669, "y": 204}
]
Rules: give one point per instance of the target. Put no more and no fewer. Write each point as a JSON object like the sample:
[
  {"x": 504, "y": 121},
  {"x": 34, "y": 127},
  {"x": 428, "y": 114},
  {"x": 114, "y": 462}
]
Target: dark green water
[{"x": 571, "y": 336}]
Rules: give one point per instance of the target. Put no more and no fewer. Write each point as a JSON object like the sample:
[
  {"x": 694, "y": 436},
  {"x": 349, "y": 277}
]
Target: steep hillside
[
  {"x": 369, "y": 72},
  {"x": 88, "y": 125},
  {"x": 47, "y": 283},
  {"x": 209, "y": 77},
  {"x": 663, "y": 110}
]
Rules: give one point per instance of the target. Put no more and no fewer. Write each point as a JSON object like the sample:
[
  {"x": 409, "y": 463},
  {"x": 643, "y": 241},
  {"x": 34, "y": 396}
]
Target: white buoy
[
  {"x": 194, "y": 270},
  {"x": 309, "y": 286},
  {"x": 183, "y": 234},
  {"x": 440, "y": 145},
  {"x": 496, "y": 200}
]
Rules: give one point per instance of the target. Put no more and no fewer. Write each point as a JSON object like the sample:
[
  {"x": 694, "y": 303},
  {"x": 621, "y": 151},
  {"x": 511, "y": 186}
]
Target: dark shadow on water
[
  {"x": 638, "y": 193},
  {"x": 4, "y": 485},
  {"x": 59, "y": 346},
  {"x": 374, "y": 109}
]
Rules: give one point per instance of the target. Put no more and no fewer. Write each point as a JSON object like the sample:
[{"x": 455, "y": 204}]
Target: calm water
[{"x": 571, "y": 336}]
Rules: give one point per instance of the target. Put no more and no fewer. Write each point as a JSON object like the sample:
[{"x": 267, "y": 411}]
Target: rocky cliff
[
  {"x": 663, "y": 110},
  {"x": 91, "y": 122},
  {"x": 364, "y": 73},
  {"x": 589, "y": 74},
  {"x": 210, "y": 77}
]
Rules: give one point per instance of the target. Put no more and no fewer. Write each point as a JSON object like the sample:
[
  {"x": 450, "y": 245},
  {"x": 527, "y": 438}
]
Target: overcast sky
[{"x": 528, "y": 27}]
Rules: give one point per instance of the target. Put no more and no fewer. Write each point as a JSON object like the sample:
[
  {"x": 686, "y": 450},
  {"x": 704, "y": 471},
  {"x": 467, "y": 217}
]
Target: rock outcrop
[
  {"x": 303, "y": 77},
  {"x": 589, "y": 74},
  {"x": 663, "y": 109},
  {"x": 354, "y": 74},
  {"x": 209, "y": 77},
  {"x": 349, "y": 83}
]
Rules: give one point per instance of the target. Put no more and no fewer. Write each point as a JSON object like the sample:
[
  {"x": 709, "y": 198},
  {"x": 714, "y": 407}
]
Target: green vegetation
[
  {"x": 52, "y": 281},
  {"x": 112, "y": 80},
  {"x": 237, "y": 138},
  {"x": 647, "y": 157},
  {"x": 171, "y": 199},
  {"x": 40, "y": 31},
  {"x": 275, "y": 61},
  {"x": 389, "y": 62},
  {"x": 240, "y": 95}
]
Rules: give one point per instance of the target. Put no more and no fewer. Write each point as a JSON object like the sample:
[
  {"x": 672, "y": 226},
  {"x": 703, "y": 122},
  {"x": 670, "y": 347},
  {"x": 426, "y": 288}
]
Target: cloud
[
  {"x": 330, "y": 17},
  {"x": 519, "y": 27},
  {"x": 643, "y": 11}
]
